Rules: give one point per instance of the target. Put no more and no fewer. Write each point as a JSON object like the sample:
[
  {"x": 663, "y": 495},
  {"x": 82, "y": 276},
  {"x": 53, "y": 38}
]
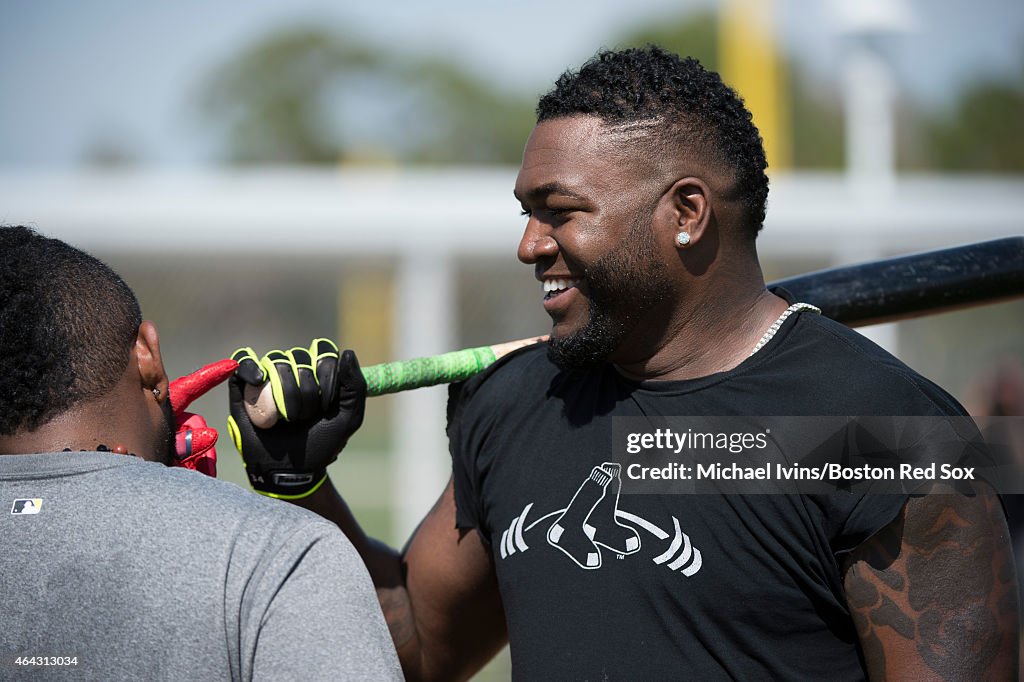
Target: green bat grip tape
[{"x": 459, "y": 365}]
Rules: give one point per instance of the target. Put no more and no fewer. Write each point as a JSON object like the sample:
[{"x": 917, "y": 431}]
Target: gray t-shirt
[{"x": 146, "y": 572}]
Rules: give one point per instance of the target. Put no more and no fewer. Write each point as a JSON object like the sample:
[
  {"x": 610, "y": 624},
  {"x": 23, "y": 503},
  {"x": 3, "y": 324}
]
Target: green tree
[
  {"x": 984, "y": 131},
  {"x": 269, "y": 99},
  {"x": 470, "y": 122},
  {"x": 315, "y": 96},
  {"x": 817, "y": 124},
  {"x": 691, "y": 35},
  {"x": 817, "y": 120}
]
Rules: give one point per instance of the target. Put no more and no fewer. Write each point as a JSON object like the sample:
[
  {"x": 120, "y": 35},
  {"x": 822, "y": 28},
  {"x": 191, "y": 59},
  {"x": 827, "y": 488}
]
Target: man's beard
[
  {"x": 164, "y": 445},
  {"x": 622, "y": 287}
]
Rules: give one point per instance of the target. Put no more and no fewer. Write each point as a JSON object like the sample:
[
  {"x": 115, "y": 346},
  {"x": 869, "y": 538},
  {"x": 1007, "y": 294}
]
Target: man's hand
[{"x": 321, "y": 397}]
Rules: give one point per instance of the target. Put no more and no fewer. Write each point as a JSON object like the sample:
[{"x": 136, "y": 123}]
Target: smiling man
[
  {"x": 605, "y": 236},
  {"x": 644, "y": 189}
]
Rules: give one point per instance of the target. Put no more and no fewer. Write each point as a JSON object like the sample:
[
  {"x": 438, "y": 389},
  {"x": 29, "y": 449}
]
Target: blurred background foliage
[
  {"x": 982, "y": 132},
  {"x": 313, "y": 94}
]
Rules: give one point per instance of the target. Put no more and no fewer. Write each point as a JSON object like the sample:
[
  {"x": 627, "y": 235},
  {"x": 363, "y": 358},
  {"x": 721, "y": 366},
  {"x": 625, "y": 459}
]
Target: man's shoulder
[
  {"x": 514, "y": 375},
  {"x": 506, "y": 387},
  {"x": 857, "y": 366},
  {"x": 153, "y": 494},
  {"x": 259, "y": 530},
  {"x": 848, "y": 351},
  {"x": 218, "y": 504}
]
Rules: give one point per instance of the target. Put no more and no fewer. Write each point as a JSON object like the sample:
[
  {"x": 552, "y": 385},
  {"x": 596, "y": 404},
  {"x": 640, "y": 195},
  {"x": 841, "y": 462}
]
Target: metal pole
[{"x": 426, "y": 326}]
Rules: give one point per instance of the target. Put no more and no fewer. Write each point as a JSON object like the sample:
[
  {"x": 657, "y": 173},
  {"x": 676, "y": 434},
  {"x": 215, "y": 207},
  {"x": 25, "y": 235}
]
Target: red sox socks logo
[{"x": 593, "y": 520}]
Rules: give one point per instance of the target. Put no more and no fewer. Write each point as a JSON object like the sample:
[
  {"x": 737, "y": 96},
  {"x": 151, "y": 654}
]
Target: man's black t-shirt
[{"x": 598, "y": 585}]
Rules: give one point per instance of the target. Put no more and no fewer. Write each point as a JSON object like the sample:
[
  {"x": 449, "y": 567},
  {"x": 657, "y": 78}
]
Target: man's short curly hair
[
  {"x": 676, "y": 102},
  {"x": 67, "y": 325}
]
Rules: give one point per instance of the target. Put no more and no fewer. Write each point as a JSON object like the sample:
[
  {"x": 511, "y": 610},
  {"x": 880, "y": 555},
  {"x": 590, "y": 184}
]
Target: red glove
[{"x": 194, "y": 440}]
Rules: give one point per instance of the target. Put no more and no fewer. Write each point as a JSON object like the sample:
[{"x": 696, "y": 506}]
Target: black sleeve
[
  {"x": 468, "y": 514},
  {"x": 477, "y": 409},
  {"x": 924, "y": 442},
  {"x": 857, "y": 517}
]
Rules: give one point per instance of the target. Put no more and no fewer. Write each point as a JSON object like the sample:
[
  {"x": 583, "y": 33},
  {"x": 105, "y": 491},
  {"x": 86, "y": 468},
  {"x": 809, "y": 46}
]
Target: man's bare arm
[
  {"x": 439, "y": 596},
  {"x": 934, "y": 594}
]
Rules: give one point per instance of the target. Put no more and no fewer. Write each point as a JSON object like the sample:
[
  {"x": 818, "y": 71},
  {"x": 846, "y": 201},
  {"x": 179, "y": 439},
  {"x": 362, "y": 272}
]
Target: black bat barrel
[{"x": 914, "y": 285}]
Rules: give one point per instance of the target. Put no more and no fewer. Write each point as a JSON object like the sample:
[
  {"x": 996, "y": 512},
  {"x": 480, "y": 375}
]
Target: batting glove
[
  {"x": 320, "y": 396},
  {"x": 194, "y": 439}
]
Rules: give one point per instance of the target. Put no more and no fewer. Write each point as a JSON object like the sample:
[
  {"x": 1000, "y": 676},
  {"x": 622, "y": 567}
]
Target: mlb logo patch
[{"x": 27, "y": 506}]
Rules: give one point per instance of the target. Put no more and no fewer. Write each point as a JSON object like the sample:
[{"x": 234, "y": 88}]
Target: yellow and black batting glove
[{"x": 320, "y": 397}]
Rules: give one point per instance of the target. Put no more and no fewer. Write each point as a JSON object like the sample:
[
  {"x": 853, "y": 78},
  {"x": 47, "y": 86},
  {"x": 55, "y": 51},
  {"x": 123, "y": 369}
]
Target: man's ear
[
  {"x": 151, "y": 366},
  {"x": 690, "y": 208}
]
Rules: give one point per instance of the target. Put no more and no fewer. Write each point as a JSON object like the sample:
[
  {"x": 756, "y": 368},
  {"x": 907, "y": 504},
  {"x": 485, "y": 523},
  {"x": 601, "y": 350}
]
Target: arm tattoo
[
  {"x": 935, "y": 592},
  {"x": 394, "y": 602}
]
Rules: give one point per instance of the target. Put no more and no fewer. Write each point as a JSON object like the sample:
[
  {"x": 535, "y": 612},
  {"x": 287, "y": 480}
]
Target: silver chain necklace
[{"x": 772, "y": 330}]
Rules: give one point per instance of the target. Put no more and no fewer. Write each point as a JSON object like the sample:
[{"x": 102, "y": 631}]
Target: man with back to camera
[
  {"x": 122, "y": 567},
  {"x": 644, "y": 188}
]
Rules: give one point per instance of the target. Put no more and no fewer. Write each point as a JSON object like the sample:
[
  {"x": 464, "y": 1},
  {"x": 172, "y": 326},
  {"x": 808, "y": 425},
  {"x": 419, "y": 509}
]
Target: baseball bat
[
  {"x": 890, "y": 289},
  {"x": 919, "y": 284},
  {"x": 391, "y": 377}
]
